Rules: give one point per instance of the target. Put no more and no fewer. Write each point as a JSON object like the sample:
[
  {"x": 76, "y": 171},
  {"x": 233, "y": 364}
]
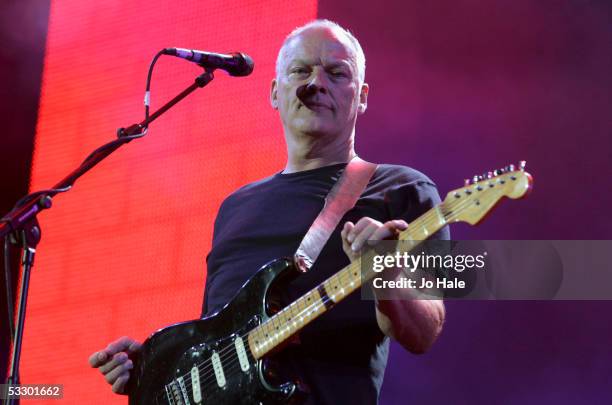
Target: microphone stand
[{"x": 21, "y": 224}]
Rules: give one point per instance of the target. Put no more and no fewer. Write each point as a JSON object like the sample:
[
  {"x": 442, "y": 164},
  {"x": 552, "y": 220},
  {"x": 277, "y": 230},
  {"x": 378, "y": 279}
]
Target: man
[{"x": 319, "y": 91}]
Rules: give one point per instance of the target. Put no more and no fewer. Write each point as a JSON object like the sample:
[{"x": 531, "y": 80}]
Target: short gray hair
[{"x": 359, "y": 55}]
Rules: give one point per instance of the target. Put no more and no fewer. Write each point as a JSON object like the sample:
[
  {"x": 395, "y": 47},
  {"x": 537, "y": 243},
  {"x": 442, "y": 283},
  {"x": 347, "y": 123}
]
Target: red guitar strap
[{"x": 341, "y": 198}]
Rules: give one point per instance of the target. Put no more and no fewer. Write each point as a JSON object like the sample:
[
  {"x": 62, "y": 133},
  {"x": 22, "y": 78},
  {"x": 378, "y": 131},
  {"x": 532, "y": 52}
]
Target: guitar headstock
[{"x": 478, "y": 196}]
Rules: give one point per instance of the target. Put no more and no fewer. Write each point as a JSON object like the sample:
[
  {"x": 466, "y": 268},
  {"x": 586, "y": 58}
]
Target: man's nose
[{"x": 318, "y": 81}]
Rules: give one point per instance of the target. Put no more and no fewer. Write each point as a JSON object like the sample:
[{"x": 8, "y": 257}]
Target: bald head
[{"x": 331, "y": 28}]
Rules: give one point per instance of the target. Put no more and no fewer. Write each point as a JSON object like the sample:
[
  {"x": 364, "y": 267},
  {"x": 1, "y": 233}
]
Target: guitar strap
[{"x": 341, "y": 198}]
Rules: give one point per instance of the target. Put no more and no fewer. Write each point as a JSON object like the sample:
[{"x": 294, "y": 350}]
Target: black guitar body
[{"x": 173, "y": 359}]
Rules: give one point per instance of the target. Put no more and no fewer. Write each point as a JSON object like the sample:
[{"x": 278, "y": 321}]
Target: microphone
[{"x": 236, "y": 64}]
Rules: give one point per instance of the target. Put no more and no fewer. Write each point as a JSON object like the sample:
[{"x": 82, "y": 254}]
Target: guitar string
[
  {"x": 432, "y": 217},
  {"x": 448, "y": 216},
  {"x": 232, "y": 365},
  {"x": 289, "y": 309},
  {"x": 227, "y": 371},
  {"x": 312, "y": 308},
  {"x": 453, "y": 207},
  {"x": 230, "y": 368},
  {"x": 309, "y": 308},
  {"x": 209, "y": 376}
]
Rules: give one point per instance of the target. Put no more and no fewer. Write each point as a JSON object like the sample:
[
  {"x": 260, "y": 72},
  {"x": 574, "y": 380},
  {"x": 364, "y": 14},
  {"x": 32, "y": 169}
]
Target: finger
[
  {"x": 345, "y": 231},
  {"x": 400, "y": 224},
  {"x": 362, "y": 224},
  {"x": 346, "y": 246},
  {"x": 118, "y": 359},
  {"x": 135, "y": 347},
  {"x": 98, "y": 358},
  {"x": 119, "y": 345},
  {"x": 388, "y": 230},
  {"x": 364, "y": 235},
  {"x": 111, "y": 376},
  {"x": 348, "y": 225},
  {"x": 120, "y": 383}
]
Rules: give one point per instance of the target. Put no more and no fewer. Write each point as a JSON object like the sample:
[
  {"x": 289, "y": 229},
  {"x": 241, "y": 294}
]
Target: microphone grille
[{"x": 244, "y": 65}]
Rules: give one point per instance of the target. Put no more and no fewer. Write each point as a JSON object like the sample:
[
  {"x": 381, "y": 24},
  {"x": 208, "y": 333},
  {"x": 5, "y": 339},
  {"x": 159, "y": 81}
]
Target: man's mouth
[{"x": 314, "y": 105}]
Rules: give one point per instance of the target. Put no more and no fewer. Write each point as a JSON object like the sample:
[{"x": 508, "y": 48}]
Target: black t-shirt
[{"x": 343, "y": 354}]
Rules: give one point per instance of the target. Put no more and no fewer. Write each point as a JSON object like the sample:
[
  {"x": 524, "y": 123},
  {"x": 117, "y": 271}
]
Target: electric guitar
[{"x": 221, "y": 359}]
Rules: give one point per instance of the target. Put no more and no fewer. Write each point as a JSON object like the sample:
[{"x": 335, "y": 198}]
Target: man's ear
[
  {"x": 273, "y": 94},
  {"x": 363, "y": 98}
]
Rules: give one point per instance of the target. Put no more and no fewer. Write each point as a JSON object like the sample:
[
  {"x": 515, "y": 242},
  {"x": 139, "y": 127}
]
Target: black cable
[
  {"x": 147, "y": 102},
  {"x": 148, "y": 86}
]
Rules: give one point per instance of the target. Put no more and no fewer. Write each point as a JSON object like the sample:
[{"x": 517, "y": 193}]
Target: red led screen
[{"x": 123, "y": 253}]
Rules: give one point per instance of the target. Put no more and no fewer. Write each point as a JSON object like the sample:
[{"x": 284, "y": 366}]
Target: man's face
[{"x": 318, "y": 91}]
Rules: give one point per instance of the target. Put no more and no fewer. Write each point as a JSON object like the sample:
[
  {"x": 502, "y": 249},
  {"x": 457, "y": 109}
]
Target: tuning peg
[
  {"x": 496, "y": 172},
  {"x": 475, "y": 179},
  {"x": 489, "y": 175},
  {"x": 522, "y": 165},
  {"x": 511, "y": 168},
  {"x": 466, "y": 182}
]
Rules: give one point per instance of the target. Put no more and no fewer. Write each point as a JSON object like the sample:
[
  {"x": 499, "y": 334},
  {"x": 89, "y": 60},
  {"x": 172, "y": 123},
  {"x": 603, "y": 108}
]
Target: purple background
[
  {"x": 457, "y": 88},
  {"x": 462, "y": 87}
]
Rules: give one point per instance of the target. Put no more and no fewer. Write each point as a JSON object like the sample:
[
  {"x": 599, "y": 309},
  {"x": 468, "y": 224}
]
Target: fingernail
[
  {"x": 354, "y": 247},
  {"x": 101, "y": 356},
  {"x": 350, "y": 238}
]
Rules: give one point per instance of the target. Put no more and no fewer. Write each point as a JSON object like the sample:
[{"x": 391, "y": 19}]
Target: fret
[
  {"x": 290, "y": 318},
  {"x": 278, "y": 326},
  {"x": 439, "y": 215},
  {"x": 310, "y": 302},
  {"x": 335, "y": 289},
  {"x": 299, "y": 304},
  {"x": 325, "y": 298}
]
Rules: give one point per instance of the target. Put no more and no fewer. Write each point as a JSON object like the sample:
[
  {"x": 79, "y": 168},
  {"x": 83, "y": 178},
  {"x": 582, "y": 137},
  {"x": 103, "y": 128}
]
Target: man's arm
[{"x": 413, "y": 323}]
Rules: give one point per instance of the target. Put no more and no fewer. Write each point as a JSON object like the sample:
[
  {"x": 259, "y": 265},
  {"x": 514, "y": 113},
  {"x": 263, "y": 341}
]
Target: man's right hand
[{"x": 114, "y": 362}]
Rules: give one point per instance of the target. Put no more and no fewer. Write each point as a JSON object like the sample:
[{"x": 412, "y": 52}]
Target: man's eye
[
  {"x": 338, "y": 73},
  {"x": 299, "y": 71}
]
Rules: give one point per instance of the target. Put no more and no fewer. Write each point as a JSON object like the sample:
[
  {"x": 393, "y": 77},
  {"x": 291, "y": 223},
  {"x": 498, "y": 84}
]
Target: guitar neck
[{"x": 280, "y": 327}]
